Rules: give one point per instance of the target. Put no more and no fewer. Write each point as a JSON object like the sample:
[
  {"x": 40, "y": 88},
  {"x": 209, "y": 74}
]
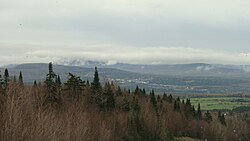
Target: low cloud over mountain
[{"x": 31, "y": 53}]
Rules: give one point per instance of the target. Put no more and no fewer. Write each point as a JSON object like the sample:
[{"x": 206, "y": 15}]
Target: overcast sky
[{"x": 128, "y": 31}]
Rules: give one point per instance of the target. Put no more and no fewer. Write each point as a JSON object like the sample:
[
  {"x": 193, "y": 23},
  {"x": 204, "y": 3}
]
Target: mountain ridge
[{"x": 187, "y": 78}]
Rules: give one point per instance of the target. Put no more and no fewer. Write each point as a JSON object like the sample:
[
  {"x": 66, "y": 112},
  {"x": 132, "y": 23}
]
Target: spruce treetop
[
  {"x": 6, "y": 73},
  {"x": 96, "y": 82},
  {"x": 20, "y": 78}
]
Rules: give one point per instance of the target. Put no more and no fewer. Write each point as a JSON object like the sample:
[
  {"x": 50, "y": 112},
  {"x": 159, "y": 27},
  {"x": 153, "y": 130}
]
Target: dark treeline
[{"x": 84, "y": 110}]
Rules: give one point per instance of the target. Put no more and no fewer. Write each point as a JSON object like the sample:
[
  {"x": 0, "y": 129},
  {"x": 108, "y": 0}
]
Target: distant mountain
[
  {"x": 196, "y": 69},
  {"x": 175, "y": 79},
  {"x": 38, "y": 71}
]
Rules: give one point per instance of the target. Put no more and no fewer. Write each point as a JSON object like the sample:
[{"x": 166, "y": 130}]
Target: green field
[{"x": 220, "y": 103}]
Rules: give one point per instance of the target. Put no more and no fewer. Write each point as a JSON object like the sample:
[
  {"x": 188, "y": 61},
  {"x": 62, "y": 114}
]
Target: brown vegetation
[{"x": 24, "y": 116}]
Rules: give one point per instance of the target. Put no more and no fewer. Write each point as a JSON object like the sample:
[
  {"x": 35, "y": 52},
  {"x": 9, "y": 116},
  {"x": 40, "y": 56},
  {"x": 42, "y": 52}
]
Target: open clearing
[{"x": 220, "y": 103}]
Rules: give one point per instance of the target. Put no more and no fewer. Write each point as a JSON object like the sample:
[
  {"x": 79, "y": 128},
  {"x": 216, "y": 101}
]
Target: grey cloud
[
  {"x": 113, "y": 29},
  {"x": 115, "y": 53}
]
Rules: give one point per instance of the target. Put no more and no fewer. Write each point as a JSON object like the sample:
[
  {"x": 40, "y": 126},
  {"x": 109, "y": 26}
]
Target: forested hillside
[{"x": 81, "y": 109}]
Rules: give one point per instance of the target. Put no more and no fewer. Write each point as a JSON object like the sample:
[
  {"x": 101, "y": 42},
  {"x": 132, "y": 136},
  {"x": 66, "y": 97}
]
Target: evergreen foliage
[
  {"x": 135, "y": 107},
  {"x": 129, "y": 91},
  {"x": 125, "y": 106},
  {"x": 170, "y": 98},
  {"x": 143, "y": 91},
  {"x": 188, "y": 109},
  {"x": 6, "y": 76},
  {"x": 188, "y": 104},
  {"x": 87, "y": 83},
  {"x": 74, "y": 85},
  {"x": 58, "y": 81},
  {"x": 53, "y": 96},
  {"x": 96, "y": 89},
  {"x": 96, "y": 85},
  {"x": 135, "y": 124},
  {"x": 35, "y": 84},
  {"x": 208, "y": 117},
  {"x": 199, "y": 114},
  {"x": 178, "y": 99},
  {"x": 222, "y": 119},
  {"x": 165, "y": 97},
  {"x": 140, "y": 92},
  {"x": 152, "y": 98},
  {"x": 158, "y": 98},
  {"x": 177, "y": 105},
  {"x": 4, "y": 80},
  {"x": 137, "y": 90},
  {"x": 2, "y": 85},
  {"x": 20, "y": 78},
  {"x": 193, "y": 112},
  {"x": 118, "y": 91},
  {"x": 109, "y": 102}
]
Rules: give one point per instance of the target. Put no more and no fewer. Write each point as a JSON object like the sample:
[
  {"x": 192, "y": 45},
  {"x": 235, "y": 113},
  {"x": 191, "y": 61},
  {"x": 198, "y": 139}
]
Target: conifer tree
[
  {"x": 6, "y": 72},
  {"x": 137, "y": 90},
  {"x": 152, "y": 98},
  {"x": 188, "y": 105},
  {"x": 110, "y": 100},
  {"x": 125, "y": 104},
  {"x": 87, "y": 83},
  {"x": 96, "y": 88},
  {"x": 6, "y": 76},
  {"x": 183, "y": 102},
  {"x": 2, "y": 84},
  {"x": 74, "y": 85},
  {"x": 143, "y": 91},
  {"x": 170, "y": 98},
  {"x": 4, "y": 81},
  {"x": 53, "y": 96},
  {"x": 137, "y": 131},
  {"x": 199, "y": 114},
  {"x": 219, "y": 114},
  {"x": 1, "y": 79},
  {"x": 193, "y": 111},
  {"x": 20, "y": 78},
  {"x": 208, "y": 117},
  {"x": 164, "y": 97},
  {"x": 118, "y": 91},
  {"x": 135, "y": 107},
  {"x": 96, "y": 85},
  {"x": 58, "y": 81},
  {"x": 221, "y": 118},
  {"x": 134, "y": 123},
  {"x": 35, "y": 84},
  {"x": 188, "y": 108},
  {"x": 177, "y": 105},
  {"x": 158, "y": 98},
  {"x": 178, "y": 99}
]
